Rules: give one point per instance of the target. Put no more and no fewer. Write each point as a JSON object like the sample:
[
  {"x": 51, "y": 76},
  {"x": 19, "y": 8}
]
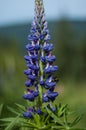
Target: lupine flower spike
[
  {"x": 41, "y": 112},
  {"x": 40, "y": 82}
]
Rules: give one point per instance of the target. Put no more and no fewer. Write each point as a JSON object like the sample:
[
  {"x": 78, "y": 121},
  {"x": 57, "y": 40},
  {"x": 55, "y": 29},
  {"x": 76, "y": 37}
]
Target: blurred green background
[{"x": 69, "y": 38}]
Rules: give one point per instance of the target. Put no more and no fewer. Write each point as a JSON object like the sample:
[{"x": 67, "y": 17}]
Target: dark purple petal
[
  {"x": 50, "y": 59},
  {"x": 45, "y": 32},
  {"x": 30, "y": 109},
  {"x": 45, "y": 99},
  {"x": 32, "y": 77},
  {"x": 52, "y": 94},
  {"x": 35, "y": 93},
  {"x": 29, "y": 97},
  {"x": 33, "y": 37},
  {"x": 27, "y": 72},
  {"x": 26, "y": 57},
  {"x": 39, "y": 111},
  {"x": 42, "y": 36},
  {"x": 51, "y": 69},
  {"x": 43, "y": 59},
  {"x": 48, "y": 47},
  {"x": 54, "y": 68},
  {"x": 34, "y": 57},
  {"x": 50, "y": 84},
  {"x": 27, "y": 114},
  {"x": 42, "y": 83},
  {"x": 28, "y": 83},
  {"x": 33, "y": 67},
  {"x": 47, "y": 38},
  {"x": 29, "y": 47},
  {"x": 37, "y": 47},
  {"x": 33, "y": 30},
  {"x": 53, "y": 109}
]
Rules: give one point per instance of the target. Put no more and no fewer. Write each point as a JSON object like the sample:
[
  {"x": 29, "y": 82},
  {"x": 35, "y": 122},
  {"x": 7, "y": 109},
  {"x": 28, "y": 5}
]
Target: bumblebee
[{"x": 55, "y": 79}]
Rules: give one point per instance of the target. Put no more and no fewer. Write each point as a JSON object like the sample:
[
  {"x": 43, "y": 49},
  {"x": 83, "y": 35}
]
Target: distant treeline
[
  {"x": 68, "y": 37},
  {"x": 70, "y": 49}
]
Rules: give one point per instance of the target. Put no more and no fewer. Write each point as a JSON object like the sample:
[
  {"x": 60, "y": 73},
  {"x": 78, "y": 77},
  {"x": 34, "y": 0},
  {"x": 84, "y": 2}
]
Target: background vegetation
[{"x": 69, "y": 38}]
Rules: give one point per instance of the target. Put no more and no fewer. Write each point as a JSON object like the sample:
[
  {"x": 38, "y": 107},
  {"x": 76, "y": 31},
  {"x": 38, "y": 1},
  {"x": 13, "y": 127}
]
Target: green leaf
[
  {"x": 4, "y": 124},
  {"x": 13, "y": 110},
  {"x": 56, "y": 119},
  {"x": 78, "y": 129},
  {"x": 47, "y": 118},
  {"x": 77, "y": 119},
  {"x": 46, "y": 127},
  {"x": 71, "y": 112},
  {"x": 62, "y": 109},
  {"x": 9, "y": 119},
  {"x": 12, "y": 124},
  {"x": 21, "y": 107},
  {"x": 37, "y": 120},
  {"x": 30, "y": 124},
  {"x": 1, "y": 107},
  {"x": 57, "y": 127},
  {"x": 65, "y": 118}
]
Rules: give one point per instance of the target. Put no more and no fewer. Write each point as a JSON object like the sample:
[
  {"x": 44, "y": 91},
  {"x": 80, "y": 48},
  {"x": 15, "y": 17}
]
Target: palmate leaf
[
  {"x": 57, "y": 127},
  {"x": 21, "y": 107},
  {"x": 9, "y": 119},
  {"x": 37, "y": 120},
  {"x": 25, "y": 128},
  {"x": 78, "y": 129},
  {"x": 28, "y": 124},
  {"x": 5, "y": 124},
  {"x": 46, "y": 127},
  {"x": 13, "y": 110},
  {"x": 13, "y": 123},
  {"x": 47, "y": 119},
  {"x": 77, "y": 119},
  {"x": 56, "y": 119},
  {"x": 62, "y": 109}
]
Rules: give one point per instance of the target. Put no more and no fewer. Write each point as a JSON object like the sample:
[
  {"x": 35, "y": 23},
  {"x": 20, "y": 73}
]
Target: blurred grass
[
  {"x": 71, "y": 59},
  {"x": 73, "y": 94}
]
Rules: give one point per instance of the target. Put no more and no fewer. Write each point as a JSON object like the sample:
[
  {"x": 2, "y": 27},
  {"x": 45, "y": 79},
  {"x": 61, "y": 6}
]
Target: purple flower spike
[{"x": 39, "y": 61}]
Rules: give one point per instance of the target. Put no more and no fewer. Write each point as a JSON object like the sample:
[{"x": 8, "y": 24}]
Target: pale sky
[{"x": 19, "y": 11}]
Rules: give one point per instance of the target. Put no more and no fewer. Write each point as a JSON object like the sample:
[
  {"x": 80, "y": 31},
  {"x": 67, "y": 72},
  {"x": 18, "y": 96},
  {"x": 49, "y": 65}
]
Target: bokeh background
[{"x": 67, "y": 25}]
